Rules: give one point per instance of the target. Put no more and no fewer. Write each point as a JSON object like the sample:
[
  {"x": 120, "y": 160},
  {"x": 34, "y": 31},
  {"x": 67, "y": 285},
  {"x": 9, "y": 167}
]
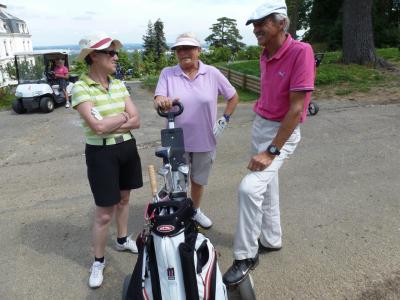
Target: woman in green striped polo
[{"x": 113, "y": 163}]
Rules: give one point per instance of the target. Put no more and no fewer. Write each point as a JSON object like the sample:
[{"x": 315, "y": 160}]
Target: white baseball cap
[
  {"x": 264, "y": 10},
  {"x": 96, "y": 41},
  {"x": 186, "y": 39}
]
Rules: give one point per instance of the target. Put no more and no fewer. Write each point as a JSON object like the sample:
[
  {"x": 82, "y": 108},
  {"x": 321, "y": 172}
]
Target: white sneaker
[
  {"x": 96, "y": 274},
  {"x": 67, "y": 104},
  {"x": 202, "y": 219},
  {"x": 129, "y": 245}
]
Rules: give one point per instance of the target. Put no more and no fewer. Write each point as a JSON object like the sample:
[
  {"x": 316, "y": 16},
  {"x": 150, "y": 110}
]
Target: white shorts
[{"x": 200, "y": 164}]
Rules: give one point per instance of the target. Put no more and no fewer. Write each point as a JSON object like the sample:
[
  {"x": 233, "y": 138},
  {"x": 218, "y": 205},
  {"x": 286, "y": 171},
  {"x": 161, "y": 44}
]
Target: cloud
[
  {"x": 15, "y": 7},
  {"x": 82, "y": 18},
  {"x": 90, "y": 13}
]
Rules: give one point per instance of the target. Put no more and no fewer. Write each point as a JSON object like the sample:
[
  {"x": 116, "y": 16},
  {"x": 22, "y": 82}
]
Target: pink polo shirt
[
  {"x": 61, "y": 70},
  {"x": 199, "y": 98},
  {"x": 292, "y": 68}
]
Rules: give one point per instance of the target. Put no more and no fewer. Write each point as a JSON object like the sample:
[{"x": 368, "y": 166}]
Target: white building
[{"x": 14, "y": 37}]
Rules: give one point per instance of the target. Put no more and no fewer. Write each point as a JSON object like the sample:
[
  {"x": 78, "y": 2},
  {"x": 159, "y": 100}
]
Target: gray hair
[{"x": 284, "y": 18}]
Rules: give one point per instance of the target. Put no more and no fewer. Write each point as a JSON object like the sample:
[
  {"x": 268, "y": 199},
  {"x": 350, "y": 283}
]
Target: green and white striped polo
[{"x": 108, "y": 103}]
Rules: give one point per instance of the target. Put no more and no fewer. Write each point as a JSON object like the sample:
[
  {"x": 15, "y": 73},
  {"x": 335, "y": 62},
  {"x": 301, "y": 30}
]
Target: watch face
[{"x": 272, "y": 149}]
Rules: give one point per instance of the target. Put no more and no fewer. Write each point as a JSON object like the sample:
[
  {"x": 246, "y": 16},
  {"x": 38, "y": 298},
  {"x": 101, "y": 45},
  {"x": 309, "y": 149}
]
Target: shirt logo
[{"x": 281, "y": 73}]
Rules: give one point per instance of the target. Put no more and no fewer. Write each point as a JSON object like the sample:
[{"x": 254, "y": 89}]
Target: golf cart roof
[{"x": 43, "y": 52}]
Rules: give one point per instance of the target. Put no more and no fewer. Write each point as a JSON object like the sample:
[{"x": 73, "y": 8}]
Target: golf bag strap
[
  {"x": 186, "y": 252},
  {"x": 155, "y": 279},
  {"x": 213, "y": 286},
  {"x": 135, "y": 285}
]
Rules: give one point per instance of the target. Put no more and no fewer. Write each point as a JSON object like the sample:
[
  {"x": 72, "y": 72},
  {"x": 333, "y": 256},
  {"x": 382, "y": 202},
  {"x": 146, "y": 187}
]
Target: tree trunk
[
  {"x": 358, "y": 40},
  {"x": 293, "y": 12}
]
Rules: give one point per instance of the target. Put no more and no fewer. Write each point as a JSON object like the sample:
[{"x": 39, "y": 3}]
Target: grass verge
[{"x": 6, "y": 98}]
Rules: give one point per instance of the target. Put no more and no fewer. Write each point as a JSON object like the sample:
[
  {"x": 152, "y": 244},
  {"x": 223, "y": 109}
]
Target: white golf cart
[{"x": 37, "y": 85}]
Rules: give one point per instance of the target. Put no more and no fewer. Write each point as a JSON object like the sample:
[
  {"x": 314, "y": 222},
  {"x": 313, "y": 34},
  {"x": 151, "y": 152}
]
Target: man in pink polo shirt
[{"x": 287, "y": 80}]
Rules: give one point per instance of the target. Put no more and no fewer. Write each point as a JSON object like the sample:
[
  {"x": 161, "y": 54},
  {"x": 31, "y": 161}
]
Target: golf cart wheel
[
  {"x": 246, "y": 289},
  {"x": 46, "y": 104},
  {"x": 125, "y": 286},
  {"x": 313, "y": 108},
  {"x": 18, "y": 107}
]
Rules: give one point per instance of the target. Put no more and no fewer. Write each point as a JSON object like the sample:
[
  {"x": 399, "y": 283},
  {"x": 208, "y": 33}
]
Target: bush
[
  {"x": 222, "y": 54},
  {"x": 150, "y": 82},
  {"x": 6, "y": 97},
  {"x": 249, "y": 53}
]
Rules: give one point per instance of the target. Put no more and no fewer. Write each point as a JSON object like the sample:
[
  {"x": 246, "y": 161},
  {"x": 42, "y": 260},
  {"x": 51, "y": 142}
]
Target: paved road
[{"x": 339, "y": 203}]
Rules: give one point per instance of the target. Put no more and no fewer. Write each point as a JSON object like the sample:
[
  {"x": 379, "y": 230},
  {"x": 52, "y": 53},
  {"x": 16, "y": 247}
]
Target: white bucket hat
[
  {"x": 264, "y": 10},
  {"x": 186, "y": 39},
  {"x": 96, "y": 41}
]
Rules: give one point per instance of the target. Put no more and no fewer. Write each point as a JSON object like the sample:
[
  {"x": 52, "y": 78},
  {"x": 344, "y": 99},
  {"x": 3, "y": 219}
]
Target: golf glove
[
  {"x": 220, "y": 125},
  {"x": 96, "y": 114}
]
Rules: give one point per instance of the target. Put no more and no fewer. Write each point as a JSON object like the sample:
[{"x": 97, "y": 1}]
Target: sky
[{"x": 53, "y": 22}]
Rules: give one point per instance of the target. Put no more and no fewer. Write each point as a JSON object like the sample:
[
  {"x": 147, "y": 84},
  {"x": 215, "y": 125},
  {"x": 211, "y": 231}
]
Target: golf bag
[{"x": 175, "y": 261}]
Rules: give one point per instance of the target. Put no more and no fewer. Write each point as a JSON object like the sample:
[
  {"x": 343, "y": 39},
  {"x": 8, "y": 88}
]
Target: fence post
[{"x": 244, "y": 80}]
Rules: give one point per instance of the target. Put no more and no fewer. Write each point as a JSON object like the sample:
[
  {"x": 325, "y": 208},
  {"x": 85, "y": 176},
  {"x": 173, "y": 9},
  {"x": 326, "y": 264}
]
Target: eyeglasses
[
  {"x": 112, "y": 53},
  {"x": 185, "y": 48}
]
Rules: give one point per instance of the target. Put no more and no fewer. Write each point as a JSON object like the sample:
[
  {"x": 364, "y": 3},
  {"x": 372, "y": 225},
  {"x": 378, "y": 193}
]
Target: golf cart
[{"x": 37, "y": 85}]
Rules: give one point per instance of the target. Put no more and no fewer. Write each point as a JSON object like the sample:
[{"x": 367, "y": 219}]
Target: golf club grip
[{"x": 153, "y": 180}]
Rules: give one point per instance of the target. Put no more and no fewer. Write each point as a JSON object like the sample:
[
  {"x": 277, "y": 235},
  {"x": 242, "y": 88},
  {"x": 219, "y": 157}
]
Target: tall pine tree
[
  {"x": 149, "y": 40},
  {"x": 225, "y": 33},
  {"x": 159, "y": 40}
]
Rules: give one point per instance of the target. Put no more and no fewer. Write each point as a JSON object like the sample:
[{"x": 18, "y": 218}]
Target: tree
[
  {"x": 137, "y": 64},
  {"x": 294, "y": 8},
  {"x": 123, "y": 60},
  {"x": 149, "y": 40},
  {"x": 386, "y": 22},
  {"x": 323, "y": 20},
  {"x": 358, "y": 39},
  {"x": 325, "y": 24},
  {"x": 159, "y": 40},
  {"x": 225, "y": 33}
]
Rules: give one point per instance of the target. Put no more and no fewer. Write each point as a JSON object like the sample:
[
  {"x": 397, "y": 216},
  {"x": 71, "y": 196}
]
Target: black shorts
[
  {"x": 111, "y": 169},
  {"x": 62, "y": 83}
]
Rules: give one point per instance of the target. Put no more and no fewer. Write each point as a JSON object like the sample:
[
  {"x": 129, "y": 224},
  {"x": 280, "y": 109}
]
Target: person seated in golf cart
[{"x": 61, "y": 75}]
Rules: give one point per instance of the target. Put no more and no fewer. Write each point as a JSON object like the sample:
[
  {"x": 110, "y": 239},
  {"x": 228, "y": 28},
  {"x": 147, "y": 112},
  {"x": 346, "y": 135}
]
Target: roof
[
  {"x": 42, "y": 52},
  {"x": 10, "y": 22}
]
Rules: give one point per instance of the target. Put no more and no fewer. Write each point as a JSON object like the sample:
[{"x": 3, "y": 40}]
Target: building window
[{"x": 5, "y": 47}]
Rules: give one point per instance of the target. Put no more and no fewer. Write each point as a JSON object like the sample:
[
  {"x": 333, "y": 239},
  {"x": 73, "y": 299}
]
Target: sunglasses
[
  {"x": 112, "y": 53},
  {"x": 184, "y": 48}
]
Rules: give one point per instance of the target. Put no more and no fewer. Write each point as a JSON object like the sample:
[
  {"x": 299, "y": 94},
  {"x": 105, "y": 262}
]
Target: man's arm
[{"x": 292, "y": 118}]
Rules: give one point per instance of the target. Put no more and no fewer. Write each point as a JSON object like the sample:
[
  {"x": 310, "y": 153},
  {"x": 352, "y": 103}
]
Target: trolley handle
[{"x": 171, "y": 114}]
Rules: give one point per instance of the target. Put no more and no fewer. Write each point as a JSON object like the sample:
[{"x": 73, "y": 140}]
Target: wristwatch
[
  {"x": 272, "y": 149},
  {"x": 227, "y": 117}
]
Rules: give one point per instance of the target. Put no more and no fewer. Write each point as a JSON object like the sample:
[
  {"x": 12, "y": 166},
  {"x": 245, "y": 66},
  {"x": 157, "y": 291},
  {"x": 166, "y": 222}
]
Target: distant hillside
[{"x": 75, "y": 48}]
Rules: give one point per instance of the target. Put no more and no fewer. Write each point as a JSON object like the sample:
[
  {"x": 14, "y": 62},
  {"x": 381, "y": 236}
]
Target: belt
[{"x": 111, "y": 140}]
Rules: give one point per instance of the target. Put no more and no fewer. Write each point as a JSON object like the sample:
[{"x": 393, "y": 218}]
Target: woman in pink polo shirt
[
  {"x": 61, "y": 74},
  {"x": 197, "y": 86}
]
